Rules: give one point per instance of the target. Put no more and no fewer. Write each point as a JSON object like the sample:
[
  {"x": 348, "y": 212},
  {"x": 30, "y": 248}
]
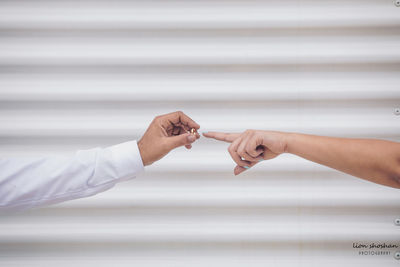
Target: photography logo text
[{"x": 376, "y": 249}]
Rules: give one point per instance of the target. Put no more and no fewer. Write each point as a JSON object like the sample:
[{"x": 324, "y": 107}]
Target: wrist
[
  {"x": 142, "y": 152},
  {"x": 289, "y": 141}
]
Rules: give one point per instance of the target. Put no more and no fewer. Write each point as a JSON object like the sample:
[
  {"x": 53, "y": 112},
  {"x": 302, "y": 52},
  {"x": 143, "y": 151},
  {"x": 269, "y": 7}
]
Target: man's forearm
[
  {"x": 374, "y": 160},
  {"x": 29, "y": 183},
  {"x": 34, "y": 182}
]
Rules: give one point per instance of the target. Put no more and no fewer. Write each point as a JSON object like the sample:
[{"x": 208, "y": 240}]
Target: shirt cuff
[{"x": 127, "y": 159}]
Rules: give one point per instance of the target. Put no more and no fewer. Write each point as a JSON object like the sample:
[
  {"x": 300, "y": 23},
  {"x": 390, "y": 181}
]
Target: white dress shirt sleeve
[{"x": 32, "y": 182}]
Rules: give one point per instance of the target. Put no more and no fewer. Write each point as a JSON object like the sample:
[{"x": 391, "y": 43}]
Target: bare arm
[{"x": 377, "y": 161}]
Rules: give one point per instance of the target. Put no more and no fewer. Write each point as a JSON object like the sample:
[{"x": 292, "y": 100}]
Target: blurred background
[{"x": 81, "y": 74}]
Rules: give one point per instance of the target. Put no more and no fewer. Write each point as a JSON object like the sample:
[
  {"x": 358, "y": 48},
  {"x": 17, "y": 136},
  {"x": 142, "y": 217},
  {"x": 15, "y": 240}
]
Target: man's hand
[
  {"x": 165, "y": 133},
  {"x": 252, "y": 146}
]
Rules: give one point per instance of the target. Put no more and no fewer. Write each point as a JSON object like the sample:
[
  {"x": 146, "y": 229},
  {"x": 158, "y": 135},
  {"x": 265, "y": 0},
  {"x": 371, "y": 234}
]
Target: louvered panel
[{"x": 81, "y": 74}]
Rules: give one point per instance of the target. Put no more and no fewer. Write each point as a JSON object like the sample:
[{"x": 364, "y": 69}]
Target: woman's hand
[
  {"x": 252, "y": 146},
  {"x": 374, "y": 160}
]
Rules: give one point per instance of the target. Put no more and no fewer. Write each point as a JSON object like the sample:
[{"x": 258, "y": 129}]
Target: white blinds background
[{"x": 79, "y": 74}]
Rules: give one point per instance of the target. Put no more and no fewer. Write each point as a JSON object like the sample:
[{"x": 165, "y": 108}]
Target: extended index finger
[{"x": 226, "y": 137}]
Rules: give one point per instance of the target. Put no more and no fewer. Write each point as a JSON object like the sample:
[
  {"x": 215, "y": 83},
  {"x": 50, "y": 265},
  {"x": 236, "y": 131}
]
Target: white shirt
[{"x": 32, "y": 182}]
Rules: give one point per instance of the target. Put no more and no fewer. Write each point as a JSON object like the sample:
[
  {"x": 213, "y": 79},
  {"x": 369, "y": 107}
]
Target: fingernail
[
  {"x": 191, "y": 138},
  {"x": 246, "y": 167}
]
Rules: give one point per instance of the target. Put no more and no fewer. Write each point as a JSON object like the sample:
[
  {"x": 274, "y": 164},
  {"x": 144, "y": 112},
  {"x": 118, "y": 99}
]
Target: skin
[
  {"x": 165, "y": 133},
  {"x": 377, "y": 161}
]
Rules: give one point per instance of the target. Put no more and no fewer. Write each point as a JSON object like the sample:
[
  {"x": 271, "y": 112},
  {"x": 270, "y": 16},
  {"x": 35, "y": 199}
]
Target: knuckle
[
  {"x": 250, "y": 151},
  {"x": 257, "y": 134}
]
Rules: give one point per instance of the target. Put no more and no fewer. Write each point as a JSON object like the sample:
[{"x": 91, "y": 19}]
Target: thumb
[
  {"x": 238, "y": 170},
  {"x": 180, "y": 140}
]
